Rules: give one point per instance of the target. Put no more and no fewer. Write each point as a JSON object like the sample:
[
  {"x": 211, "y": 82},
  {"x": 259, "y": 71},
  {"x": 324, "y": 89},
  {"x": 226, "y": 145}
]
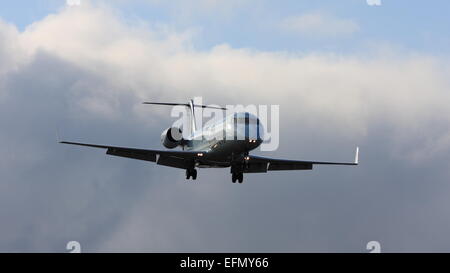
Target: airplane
[{"x": 208, "y": 148}]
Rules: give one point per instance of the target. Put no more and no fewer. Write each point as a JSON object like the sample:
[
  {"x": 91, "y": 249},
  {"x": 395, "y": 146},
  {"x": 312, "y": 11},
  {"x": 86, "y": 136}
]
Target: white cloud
[
  {"x": 319, "y": 25},
  {"x": 144, "y": 62},
  {"x": 11, "y": 50}
]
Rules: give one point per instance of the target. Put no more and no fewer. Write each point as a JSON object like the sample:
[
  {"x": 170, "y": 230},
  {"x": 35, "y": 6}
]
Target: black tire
[
  {"x": 233, "y": 178},
  {"x": 188, "y": 174}
]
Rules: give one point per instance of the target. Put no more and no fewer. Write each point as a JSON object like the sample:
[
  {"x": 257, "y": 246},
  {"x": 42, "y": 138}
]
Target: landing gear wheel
[
  {"x": 240, "y": 178},
  {"x": 233, "y": 177},
  {"x": 237, "y": 177},
  {"x": 191, "y": 173},
  {"x": 188, "y": 174}
]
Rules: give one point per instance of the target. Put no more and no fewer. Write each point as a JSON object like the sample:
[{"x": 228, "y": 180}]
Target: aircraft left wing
[
  {"x": 176, "y": 159},
  {"x": 257, "y": 164}
]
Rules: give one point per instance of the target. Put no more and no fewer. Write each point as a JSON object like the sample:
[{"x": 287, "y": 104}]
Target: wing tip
[{"x": 357, "y": 156}]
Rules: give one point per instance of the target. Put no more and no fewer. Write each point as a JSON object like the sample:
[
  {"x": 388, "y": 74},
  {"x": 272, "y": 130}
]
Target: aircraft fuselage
[{"x": 226, "y": 141}]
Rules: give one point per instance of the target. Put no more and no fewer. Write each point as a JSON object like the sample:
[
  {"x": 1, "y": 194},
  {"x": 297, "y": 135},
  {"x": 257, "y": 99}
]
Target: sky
[{"x": 344, "y": 74}]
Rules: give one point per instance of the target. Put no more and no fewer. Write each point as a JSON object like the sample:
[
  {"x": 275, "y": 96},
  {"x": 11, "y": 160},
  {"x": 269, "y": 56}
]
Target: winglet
[
  {"x": 58, "y": 139},
  {"x": 357, "y": 156}
]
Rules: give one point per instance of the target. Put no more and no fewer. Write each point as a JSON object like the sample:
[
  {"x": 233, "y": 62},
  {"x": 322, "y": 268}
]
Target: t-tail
[{"x": 191, "y": 106}]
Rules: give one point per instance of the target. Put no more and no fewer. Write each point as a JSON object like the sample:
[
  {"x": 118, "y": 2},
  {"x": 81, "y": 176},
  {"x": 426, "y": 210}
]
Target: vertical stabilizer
[{"x": 192, "y": 117}]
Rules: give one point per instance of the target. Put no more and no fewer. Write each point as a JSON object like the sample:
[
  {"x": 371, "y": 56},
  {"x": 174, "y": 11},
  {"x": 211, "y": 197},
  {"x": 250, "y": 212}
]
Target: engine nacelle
[{"x": 171, "y": 137}]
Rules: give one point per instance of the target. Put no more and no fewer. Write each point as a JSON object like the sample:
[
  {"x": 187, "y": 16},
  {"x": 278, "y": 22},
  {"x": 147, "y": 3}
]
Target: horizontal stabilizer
[{"x": 184, "y": 104}]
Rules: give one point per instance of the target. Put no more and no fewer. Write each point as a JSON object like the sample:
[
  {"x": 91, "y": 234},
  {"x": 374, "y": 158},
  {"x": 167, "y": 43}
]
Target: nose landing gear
[{"x": 237, "y": 172}]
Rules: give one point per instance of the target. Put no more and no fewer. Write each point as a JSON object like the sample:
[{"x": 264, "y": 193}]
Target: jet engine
[{"x": 172, "y": 137}]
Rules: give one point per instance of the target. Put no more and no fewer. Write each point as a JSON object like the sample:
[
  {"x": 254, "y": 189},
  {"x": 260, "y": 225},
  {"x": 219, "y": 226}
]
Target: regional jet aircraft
[{"x": 199, "y": 151}]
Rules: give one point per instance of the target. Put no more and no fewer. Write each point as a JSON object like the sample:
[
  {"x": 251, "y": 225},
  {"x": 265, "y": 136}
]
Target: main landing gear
[
  {"x": 237, "y": 176},
  {"x": 191, "y": 173}
]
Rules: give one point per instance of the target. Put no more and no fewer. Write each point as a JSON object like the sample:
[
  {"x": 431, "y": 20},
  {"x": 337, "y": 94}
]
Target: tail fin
[{"x": 191, "y": 107}]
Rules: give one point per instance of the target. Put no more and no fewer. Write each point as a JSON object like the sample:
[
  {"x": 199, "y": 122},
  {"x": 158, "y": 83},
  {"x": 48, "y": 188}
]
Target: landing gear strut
[
  {"x": 191, "y": 173},
  {"x": 237, "y": 172}
]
